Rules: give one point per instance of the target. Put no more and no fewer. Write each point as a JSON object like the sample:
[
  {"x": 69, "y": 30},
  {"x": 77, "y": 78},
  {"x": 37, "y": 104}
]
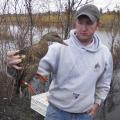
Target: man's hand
[
  {"x": 13, "y": 60},
  {"x": 93, "y": 110}
]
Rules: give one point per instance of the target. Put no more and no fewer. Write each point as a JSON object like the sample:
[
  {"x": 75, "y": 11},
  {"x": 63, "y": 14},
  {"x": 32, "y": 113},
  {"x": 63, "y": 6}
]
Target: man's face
[{"x": 85, "y": 28}]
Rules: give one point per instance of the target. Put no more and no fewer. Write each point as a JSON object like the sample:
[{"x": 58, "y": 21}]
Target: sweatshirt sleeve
[
  {"x": 49, "y": 62},
  {"x": 103, "y": 83}
]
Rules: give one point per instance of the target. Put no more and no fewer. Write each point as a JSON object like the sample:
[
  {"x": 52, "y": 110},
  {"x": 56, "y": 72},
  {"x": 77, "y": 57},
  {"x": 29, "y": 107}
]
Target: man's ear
[{"x": 99, "y": 24}]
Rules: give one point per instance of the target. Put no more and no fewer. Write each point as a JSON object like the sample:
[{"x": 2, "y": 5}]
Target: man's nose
[{"x": 84, "y": 27}]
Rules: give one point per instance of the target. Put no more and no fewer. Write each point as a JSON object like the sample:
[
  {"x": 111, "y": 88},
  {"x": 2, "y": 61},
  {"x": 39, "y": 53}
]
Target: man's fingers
[
  {"x": 14, "y": 62},
  {"x": 16, "y": 57},
  {"x": 22, "y": 56},
  {"x": 93, "y": 110},
  {"x": 89, "y": 112},
  {"x": 13, "y": 57},
  {"x": 12, "y": 53},
  {"x": 17, "y": 67}
]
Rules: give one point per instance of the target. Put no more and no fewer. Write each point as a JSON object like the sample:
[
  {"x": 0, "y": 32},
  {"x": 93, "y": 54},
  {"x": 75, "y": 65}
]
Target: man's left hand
[{"x": 93, "y": 110}]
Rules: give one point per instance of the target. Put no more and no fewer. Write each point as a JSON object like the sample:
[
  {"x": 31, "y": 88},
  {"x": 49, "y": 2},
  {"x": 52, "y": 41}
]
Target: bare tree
[
  {"x": 29, "y": 9},
  {"x": 70, "y": 7}
]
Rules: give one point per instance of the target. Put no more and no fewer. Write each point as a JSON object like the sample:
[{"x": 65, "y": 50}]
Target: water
[
  {"x": 37, "y": 32},
  {"x": 17, "y": 32},
  {"x": 106, "y": 38}
]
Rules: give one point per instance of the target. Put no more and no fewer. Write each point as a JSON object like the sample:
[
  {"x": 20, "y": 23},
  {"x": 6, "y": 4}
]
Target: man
[{"x": 82, "y": 70}]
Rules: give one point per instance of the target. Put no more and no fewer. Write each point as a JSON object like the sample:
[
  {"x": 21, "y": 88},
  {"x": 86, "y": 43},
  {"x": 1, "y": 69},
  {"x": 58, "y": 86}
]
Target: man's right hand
[{"x": 14, "y": 59}]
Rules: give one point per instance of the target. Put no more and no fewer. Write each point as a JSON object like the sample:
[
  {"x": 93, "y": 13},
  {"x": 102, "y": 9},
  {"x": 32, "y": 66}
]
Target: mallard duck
[{"x": 33, "y": 54}]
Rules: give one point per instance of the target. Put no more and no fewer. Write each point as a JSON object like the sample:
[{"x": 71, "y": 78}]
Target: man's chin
[{"x": 84, "y": 39}]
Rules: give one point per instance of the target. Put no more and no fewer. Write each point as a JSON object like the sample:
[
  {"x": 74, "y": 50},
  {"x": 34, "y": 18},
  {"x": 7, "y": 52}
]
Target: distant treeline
[
  {"x": 109, "y": 19},
  {"x": 39, "y": 20},
  {"x": 50, "y": 19}
]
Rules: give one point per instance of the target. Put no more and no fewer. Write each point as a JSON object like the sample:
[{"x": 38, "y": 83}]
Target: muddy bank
[{"x": 17, "y": 109}]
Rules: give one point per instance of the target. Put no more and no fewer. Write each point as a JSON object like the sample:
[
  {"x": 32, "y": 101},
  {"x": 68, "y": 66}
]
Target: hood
[{"x": 93, "y": 47}]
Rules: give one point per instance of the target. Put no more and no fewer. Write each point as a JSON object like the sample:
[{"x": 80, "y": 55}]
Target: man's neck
[{"x": 85, "y": 43}]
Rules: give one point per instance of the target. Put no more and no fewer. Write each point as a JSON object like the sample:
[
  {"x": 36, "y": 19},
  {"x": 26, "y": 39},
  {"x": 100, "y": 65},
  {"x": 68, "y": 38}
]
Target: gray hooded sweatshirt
[{"x": 81, "y": 74}]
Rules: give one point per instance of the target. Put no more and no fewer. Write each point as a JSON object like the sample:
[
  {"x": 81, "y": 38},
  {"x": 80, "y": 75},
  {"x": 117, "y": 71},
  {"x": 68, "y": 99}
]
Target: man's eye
[
  {"x": 89, "y": 23},
  {"x": 83, "y": 23},
  {"x": 80, "y": 22}
]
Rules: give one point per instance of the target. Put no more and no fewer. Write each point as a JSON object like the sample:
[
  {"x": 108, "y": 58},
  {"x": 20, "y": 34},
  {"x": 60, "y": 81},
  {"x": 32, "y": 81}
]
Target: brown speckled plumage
[{"x": 33, "y": 54}]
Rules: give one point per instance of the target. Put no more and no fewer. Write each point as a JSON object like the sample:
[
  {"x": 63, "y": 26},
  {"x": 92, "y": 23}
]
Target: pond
[{"x": 38, "y": 32}]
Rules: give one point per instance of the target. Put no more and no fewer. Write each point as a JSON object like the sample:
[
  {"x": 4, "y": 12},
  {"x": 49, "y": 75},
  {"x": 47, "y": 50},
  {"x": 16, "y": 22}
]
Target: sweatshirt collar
[{"x": 92, "y": 47}]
